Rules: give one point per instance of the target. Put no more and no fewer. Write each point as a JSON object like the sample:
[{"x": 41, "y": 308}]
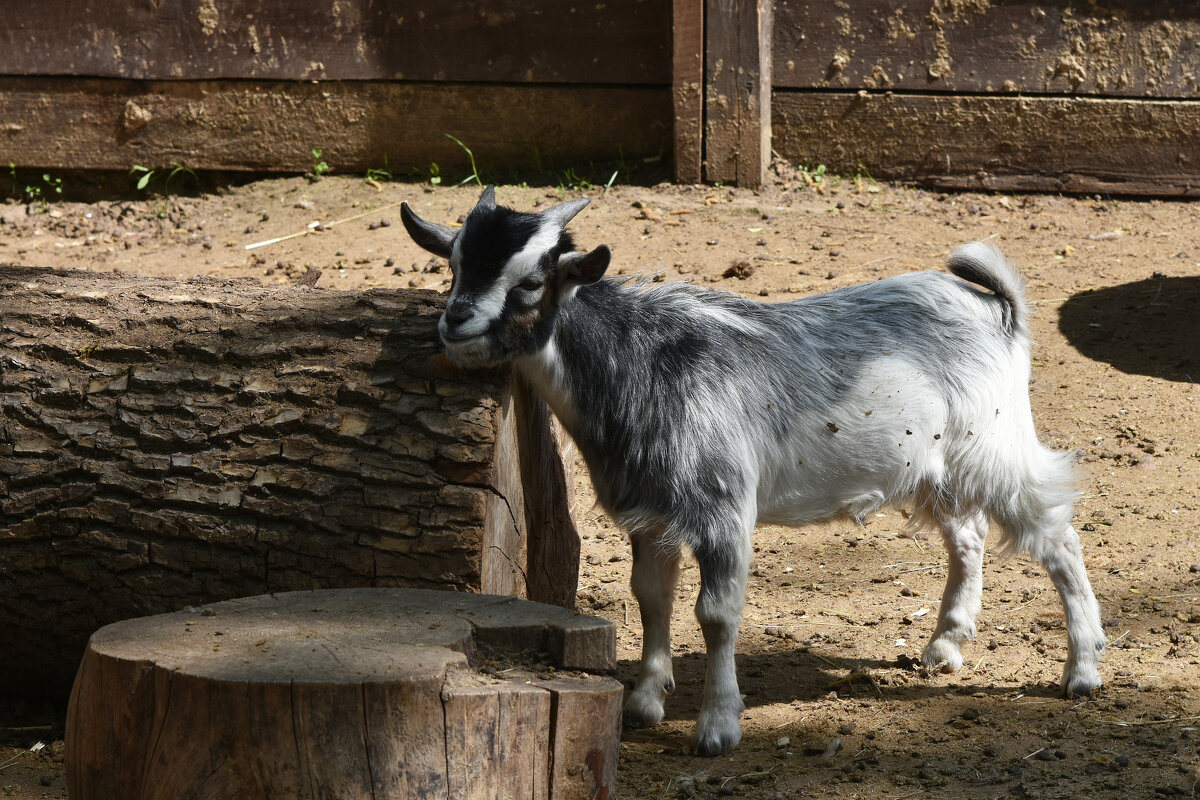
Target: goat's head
[{"x": 512, "y": 271}]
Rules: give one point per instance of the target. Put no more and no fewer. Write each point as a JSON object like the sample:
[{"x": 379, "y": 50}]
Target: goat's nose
[{"x": 457, "y": 313}]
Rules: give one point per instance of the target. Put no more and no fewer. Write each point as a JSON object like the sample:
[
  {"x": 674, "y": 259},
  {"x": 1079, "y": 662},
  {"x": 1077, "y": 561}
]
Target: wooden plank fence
[{"x": 1024, "y": 94}]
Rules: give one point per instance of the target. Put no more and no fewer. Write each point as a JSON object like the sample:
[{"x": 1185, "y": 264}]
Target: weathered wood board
[
  {"x": 614, "y": 42},
  {"x": 167, "y": 443},
  {"x": 1149, "y": 48},
  {"x": 358, "y": 125},
  {"x": 687, "y": 89},
  {"x": 360, "y": 693},
  {"x": 1118, "y": 146},
  {"x": 737, "y": 91}
]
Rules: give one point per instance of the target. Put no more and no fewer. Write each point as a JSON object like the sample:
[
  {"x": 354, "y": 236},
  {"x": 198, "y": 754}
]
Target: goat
[{"x": 700, "y": 413}]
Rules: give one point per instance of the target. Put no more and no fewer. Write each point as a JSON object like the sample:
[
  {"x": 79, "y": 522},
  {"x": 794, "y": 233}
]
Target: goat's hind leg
[
  {"x": 655, "y": 572},
  {"x": 1041, "y": 525},
  {"x": 962, "y": 598},
  {"x": 1060, "y": 554}
]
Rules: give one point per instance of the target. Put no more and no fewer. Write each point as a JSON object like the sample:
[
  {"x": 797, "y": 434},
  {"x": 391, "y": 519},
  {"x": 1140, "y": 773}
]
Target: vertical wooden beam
[
  {"x": 687, "y": 85},
  {"x": 737, "y": 107},
  {"x": 553, "y": 546}
]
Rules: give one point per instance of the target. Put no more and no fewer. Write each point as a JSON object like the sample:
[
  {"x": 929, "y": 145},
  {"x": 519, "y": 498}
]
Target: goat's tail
[{"x": 983, "y": 264}]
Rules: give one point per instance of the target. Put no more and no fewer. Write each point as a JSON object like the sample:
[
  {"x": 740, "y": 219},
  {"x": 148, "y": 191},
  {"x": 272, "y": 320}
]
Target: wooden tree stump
[
  {"x": 170, "y": 443},
  {"x": 353, "y": 693}
]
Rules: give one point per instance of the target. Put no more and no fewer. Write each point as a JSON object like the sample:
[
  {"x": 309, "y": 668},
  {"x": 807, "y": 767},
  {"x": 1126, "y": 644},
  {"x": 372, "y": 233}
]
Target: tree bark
[
  {"x": 165, "y": 444},
  {"x": 353, "y": 693}
]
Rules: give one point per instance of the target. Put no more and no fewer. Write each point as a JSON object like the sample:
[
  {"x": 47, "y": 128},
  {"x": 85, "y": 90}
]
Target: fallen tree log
[
  {"x": 352, "y": 693},
  {"x": 166, "y": 444}
]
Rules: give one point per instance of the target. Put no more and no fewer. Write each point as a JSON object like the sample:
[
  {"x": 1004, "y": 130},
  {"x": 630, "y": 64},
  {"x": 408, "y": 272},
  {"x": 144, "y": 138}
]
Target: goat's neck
[
  {"x": 549, "y": 377},
  {"x": 575, "y": 355}
]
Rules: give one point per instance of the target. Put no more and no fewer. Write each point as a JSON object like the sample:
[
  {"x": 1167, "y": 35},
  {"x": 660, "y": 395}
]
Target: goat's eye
[{"x": 530, "y": 284}]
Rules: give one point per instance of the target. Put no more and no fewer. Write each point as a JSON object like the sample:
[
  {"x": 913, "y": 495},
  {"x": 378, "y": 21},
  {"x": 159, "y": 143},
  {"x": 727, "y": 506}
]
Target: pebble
[
  {"x": 389, "y": 262},
  {"x": 1123, "y": 761}
]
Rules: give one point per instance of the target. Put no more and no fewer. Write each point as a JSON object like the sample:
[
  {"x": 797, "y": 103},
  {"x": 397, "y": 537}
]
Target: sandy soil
[{"x": 835, "y": 613}]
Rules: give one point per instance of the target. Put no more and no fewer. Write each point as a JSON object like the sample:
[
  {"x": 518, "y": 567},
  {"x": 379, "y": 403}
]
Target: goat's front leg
[
  {"x": 723, "y": 570},
  {"x": 655, "y": 572}
]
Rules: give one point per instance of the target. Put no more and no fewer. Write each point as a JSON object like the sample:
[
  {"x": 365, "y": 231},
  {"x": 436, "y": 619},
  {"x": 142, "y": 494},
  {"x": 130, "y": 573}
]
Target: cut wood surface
[
  {"x": 166, "y": 443},
  {"x": 358, "y": 125},
  {"x": 1149, "y": 48},
  {"x": 359, "y": 693},
  {"x": 1054, "y": 144},
  {"x": 490, "y": 41}
]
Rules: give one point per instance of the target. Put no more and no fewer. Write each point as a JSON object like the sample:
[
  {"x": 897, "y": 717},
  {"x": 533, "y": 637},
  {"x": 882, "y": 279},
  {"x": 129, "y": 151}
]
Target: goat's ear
[
  {"x": 437, "y": 239},
  {"x": 578, "y": 269},
  {"x": 563, "y": 213}
]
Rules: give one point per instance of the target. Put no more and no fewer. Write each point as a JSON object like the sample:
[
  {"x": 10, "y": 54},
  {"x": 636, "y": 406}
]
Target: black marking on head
[{"x": 489, "y": 239}]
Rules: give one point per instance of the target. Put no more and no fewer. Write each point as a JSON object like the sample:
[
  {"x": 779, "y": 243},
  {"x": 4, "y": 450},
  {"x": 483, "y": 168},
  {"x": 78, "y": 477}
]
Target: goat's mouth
[{"x": 456, "y": 339}]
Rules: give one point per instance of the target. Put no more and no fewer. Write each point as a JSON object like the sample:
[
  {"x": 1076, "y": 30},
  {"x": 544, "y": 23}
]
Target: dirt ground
[{"x": 835, "y": 614}]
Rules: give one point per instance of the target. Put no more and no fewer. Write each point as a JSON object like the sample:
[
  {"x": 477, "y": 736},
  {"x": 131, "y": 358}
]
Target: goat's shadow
[
  {"x": 803, "y": 675},
  {"x": 1149, "y": 327}
]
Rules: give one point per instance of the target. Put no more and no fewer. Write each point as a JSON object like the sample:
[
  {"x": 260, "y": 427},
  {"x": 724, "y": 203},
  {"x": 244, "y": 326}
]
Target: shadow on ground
[{"x": 1149, "y": 327}]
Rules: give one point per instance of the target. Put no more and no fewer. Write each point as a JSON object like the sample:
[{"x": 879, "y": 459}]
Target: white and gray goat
[{"x": 701, "y": 413}]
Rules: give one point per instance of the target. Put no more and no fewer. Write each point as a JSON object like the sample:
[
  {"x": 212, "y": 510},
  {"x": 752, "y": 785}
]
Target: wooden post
[
  {"x": 552, "y": 552},
  {"x": 737, "y": 74},
  {"x": 687, "y": 89}
]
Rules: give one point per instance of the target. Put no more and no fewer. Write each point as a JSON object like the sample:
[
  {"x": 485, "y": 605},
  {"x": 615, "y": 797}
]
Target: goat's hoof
[
  {"x": 642, "y": 711},
  {"x": 942, "y": 654},
  {"x": 1079, "y": 681},
  {"x": 712, "y": 744},
  {"x": 716, "y": 736}
]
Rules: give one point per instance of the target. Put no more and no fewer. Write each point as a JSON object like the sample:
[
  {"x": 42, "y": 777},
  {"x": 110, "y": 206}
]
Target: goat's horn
[
  {"x": 565, "y": 212},
  {"x": 488, "y": 198}
]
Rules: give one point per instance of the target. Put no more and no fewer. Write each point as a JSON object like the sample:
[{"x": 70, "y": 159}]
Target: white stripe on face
[{"x": 488, "y": 305}]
